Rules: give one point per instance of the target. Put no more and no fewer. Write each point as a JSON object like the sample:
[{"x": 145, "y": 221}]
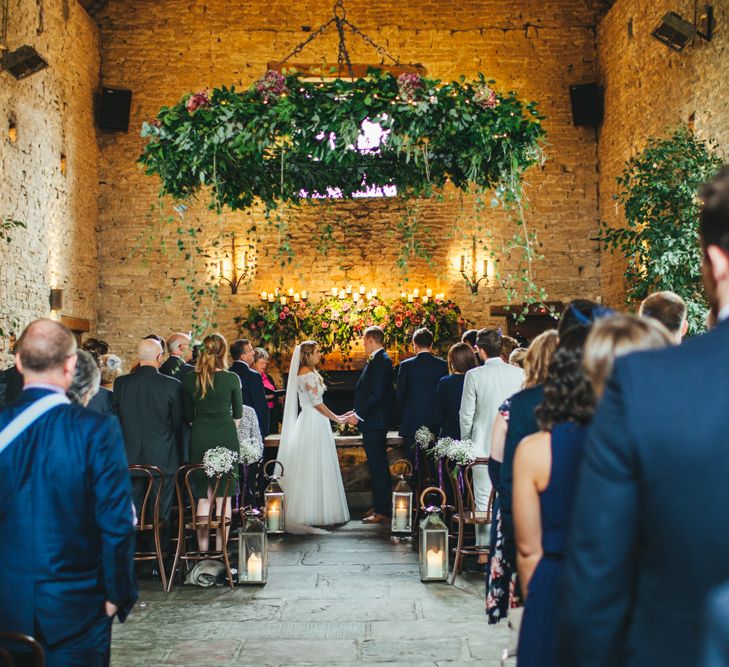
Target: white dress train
[{"x": 312, "y": 479}]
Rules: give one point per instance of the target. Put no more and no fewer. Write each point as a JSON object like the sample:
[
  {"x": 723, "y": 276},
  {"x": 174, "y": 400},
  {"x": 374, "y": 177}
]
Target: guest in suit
[
  {"x": 180, "y": 350},
  {"x": 630, "y": 596},
  {"x": 523, "y": 422},
  {"x": 450, "y": 390},
  {"x": 373, "y": 400},
  {"x": 545, "y": 474},
  {"x": 149, "y": 407},
  {"x": 254, "y": 396},
  {"x": 260, "y": 365},
  {"x": 103, "y": 401},
  {"x": 213, "y": 404},
  {"x": 417, "y": 381},
  {"x": 669, "y": 309},
  {"x": 715, "y": 650},
  {"x": 484, "y": 390},
  {"x": 67, "y": 572}
]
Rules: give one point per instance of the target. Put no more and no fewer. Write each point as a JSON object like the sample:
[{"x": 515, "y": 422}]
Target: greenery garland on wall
[
  {"x": 287, "y": 140},
  {"x": 338, "y": 323},
  {"x": 660, "y": 240}
]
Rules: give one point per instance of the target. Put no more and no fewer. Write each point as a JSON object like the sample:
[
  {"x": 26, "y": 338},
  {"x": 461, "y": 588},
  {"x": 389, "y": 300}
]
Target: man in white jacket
[{"x": 484, "y": 390}]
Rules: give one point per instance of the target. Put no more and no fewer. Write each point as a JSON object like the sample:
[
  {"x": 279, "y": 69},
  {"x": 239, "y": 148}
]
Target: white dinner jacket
[{"x": 484, "y": 389}]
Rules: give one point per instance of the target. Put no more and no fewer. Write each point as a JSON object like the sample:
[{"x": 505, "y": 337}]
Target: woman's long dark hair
[{"x": 568, "y": 394}]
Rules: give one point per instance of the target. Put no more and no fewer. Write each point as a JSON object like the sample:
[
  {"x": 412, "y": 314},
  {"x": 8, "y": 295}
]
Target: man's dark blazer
[
  {"x": 374, "y": 396},
  {"x": 66, "y": 522},
  {"x": 254, "y": 395},
  {"x": 650, "y": 527},
  {"x": 417, "y": 381},
  {"x": 448, "y": 405},
  {"x": 149, "y": 407},
  {"x": 102, "y": 402},
  {"x": 176, "y": 367},
  {"x": 522, "y": 422}
]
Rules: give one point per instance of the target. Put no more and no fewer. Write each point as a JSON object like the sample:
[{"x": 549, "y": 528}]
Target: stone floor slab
[
  {"x": 218, "y": 652},
  {"x": 342, "y": 610},
  {"x": 411, "y": 650},
  {"x": 334, "y": 651}
]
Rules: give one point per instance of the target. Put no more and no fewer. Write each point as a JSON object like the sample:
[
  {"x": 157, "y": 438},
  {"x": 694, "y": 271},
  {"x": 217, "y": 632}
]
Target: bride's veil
[{"x": 291, "y": 407}]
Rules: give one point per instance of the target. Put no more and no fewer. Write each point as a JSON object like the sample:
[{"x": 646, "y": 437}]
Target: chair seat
[
  {"x": 473, "y": 518},
  {"x": 205, "y": 522},
  {"x": 148, "y": 526}
]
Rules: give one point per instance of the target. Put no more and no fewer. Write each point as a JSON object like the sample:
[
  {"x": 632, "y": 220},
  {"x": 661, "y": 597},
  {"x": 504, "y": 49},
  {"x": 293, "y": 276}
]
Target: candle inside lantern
[
  {"x": 362, "y": 289},
  {"x": 291, "y": 291},
  {"x": 401, "y": 516},
  {"x": 264, "y": 296},
  {"x": 434, "y": 563},
  {"x": 335, "y": 291},
  {"x": 273, "y": 518},
  {"x": 283, "y": 300},
  {"x": 429, "y": 292},
  {"x": 255, "y": 567},
  {"x": 271, "y": 298},
  {"x": 297, "y": 297},
  {"x": 304, "y": 295}
]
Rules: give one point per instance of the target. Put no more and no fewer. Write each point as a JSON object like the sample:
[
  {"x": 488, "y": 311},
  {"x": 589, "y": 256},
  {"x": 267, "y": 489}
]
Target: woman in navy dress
[{"x": 450, "y": 389}]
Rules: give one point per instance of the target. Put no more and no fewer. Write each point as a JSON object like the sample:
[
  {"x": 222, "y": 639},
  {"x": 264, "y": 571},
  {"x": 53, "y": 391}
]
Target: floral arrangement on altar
[
  {"x": 338, "y": 323},
  {"x": 220, "y": 461}
]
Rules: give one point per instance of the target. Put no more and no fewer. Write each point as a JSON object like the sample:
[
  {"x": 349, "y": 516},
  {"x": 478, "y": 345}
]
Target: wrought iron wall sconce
[
  {"x": 676, "y": 32},
  {"x": 237, "y": 275},
  {"x": 474, "y": 279}
]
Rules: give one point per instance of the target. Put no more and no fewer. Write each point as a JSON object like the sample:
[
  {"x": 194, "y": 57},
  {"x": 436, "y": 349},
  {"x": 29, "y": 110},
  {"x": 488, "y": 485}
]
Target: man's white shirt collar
[{"x": 723, "y": 314}]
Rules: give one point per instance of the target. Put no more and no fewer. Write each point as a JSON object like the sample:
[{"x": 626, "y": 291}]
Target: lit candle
[
  {"x": 434, "y": 563},
  {"x": 362, "y": 289},
  {"x": 401, "y": 516},
  {"x": 335, "y": 291},
  {"x": 416, "y": 292},
  {"x": 277, "y": 292},
  {"x": 304, "y": 295},
  {"x": 291, "y": 291},
  {"x": 342, "y": 295},
  {"x": 283, "y": 300},
  {"x": 255, "y": 567},
  {"x": 463, "y": 263},
  {"x": 271, "y": 298},
  {"x": 355, "y": 297},
  {"x": 425, "y": 299},
  {"x": 429, "y": 292},
  {"x": 297, "y": 297},
  {"x": 273, "y": 518},
  {"x": 220, "y": 267},
  {"x": 489, "y": 268},
  {"x": 410, "y": 298},
  {"x": 349, "y": 289},
  {"x": 264, "y": 296},
  {"x": 403, "y": 295},
  {"x": 374, "y": 291}
]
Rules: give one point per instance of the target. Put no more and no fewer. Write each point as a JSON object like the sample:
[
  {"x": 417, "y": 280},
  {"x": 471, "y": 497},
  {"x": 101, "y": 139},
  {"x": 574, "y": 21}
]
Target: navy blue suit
[
  {"x": 447, "y": 406},
  {"x": 650, "y": 529},
  {"x": 254, "y": 395},
  {"x": 417, "y": 381},
  {"x": 374, "y": 400},
  {"x": 67, "y": 523},
  {"x": 522, "y": 422},
  {"x": 102, "y": 402}
]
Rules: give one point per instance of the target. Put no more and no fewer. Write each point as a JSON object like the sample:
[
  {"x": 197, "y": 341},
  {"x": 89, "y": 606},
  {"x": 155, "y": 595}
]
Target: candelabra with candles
[
  {"x": 474, "y": 280},
  {"x": 362, "y": 293},
  {"x": 284, "y": 296},
  {"x": 237, "y": 275}
]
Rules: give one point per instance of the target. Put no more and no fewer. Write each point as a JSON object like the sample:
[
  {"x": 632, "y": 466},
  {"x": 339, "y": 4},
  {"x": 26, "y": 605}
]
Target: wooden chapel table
[{"x": 343, "y": 441}]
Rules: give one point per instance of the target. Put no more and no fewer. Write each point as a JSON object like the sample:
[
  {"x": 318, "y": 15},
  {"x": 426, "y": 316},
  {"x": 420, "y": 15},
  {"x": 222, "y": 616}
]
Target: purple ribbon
[
  {"x": 245, "y": 479},
  {"x": 440, "y": 473},
  {"x": 460, "y": 479}
]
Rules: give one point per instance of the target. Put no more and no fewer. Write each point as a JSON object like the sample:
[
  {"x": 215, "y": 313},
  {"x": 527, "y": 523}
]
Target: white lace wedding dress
[{"x": 312, "y": 480}]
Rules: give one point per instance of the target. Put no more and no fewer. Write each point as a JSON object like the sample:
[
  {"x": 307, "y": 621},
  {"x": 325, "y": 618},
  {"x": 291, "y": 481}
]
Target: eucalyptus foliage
[{"x": 660, "y": 239}]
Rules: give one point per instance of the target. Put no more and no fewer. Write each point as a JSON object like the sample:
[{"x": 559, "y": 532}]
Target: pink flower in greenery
[
  {"x": 410, "y": 86},
  {"x": 282, "y": 316},
  {"x": 271, "y": 85},
  {"x": 485, "y": 97},
  {"x": 325, "y": 325},
  {"x": 200, "y": 100}
]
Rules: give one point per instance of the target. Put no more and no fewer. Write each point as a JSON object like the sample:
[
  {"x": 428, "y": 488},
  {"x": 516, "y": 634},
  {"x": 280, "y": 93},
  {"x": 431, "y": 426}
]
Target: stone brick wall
[
  {"x": 649, "y": 90},
  {"x": 52, "y": 112},
  {"x": 164, "y": 49}
]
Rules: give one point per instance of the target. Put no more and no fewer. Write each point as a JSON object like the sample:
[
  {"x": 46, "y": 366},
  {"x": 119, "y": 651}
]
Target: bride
[{"x": 312, "y": 480}]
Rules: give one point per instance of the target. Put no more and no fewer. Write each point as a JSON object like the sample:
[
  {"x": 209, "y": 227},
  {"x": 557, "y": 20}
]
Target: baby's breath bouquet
[
  {"x": 250, "y": 451},
  {"x": 424, "y": 438},
  {"x": 441, "y": 448},
  {"x": 462, "y": 452},
  {"x": 220, "y": 461}
]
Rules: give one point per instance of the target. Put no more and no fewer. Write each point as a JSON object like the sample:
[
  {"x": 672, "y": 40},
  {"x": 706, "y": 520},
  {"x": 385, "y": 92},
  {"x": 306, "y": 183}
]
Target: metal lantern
[
  {"x": 252, "y": 549},
  {"x": 402, "y": 501},
  {"x": 433, "y": 540},
  {"x": 274, "y": 500}
]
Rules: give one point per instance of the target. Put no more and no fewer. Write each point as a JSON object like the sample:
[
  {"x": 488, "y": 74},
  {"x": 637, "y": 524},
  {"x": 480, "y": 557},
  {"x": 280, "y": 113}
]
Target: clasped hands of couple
[{"x": 348, "y": 418}]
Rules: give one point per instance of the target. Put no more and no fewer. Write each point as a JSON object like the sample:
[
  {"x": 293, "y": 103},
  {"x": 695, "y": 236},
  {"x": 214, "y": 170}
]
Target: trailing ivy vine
[{"x": 660, "y": 238}]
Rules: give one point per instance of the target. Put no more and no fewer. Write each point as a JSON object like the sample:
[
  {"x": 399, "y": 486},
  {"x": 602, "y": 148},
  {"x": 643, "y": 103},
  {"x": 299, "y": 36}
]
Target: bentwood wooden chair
[
  {"x": 189, "y": 521},
  {"x": 466, "y": 513},
  {"x": 37, "y": 654},
  {"x": 148, "y": 521}
]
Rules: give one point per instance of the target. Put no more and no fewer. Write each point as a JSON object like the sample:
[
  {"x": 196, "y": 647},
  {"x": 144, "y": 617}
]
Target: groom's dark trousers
[{"x": 374, "y": 398}]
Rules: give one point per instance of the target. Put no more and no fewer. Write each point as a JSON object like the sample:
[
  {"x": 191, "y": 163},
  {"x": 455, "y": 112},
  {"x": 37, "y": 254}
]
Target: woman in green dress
[{"x": 213, "y": 403}]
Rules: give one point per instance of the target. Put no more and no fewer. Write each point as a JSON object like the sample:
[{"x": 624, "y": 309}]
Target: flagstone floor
[{"x": 346, "y": 598}]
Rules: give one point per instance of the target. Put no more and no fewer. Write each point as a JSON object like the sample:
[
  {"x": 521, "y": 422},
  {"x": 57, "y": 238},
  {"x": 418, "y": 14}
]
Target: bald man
[
  {"x": 67, "y": 573},
  {"x": 180, "y": 349},
  {"x": 149, "y": 407}
]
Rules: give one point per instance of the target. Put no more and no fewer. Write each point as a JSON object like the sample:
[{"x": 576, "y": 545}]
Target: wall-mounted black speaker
[
  {"x": 586, "y": 101},
  {"x": 114, "y": 109}
]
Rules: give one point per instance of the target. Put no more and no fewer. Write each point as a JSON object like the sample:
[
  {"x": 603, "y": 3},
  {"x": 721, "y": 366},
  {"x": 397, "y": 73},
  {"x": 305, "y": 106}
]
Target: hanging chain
[{"x": 343, "y": 59}]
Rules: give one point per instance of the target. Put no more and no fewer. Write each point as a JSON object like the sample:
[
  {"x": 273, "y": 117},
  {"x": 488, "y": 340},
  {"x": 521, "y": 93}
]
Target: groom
[{"x": 373, "y": 399}]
